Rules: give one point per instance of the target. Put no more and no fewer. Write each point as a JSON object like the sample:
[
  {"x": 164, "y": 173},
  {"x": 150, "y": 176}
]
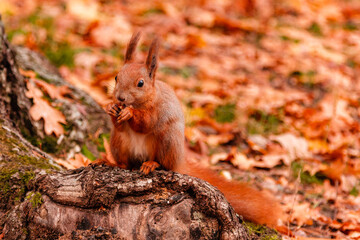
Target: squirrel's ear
[
  {"x": 151, "y": 60},
  {"x": 132, "y": 46}
]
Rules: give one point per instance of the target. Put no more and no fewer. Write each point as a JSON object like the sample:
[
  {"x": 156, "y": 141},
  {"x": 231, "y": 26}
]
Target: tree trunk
[{"x": 39, "y": 200}]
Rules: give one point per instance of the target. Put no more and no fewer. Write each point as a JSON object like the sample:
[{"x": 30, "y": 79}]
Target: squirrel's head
[{"x": 135, "y": 83}]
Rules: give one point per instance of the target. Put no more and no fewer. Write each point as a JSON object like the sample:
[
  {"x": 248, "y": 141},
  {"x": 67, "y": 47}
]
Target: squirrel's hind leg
[{"x": 170, "y": 152}]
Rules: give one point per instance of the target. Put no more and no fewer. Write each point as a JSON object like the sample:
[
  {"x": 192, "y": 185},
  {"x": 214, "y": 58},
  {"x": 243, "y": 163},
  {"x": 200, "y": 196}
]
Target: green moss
[
  {"x": 305, "y": 79},
  {"x": 35, "y": 199},
  {"x": 168, "y": 70},
  {"x": 68, "y": 127},
  {"x": 152, "y": 11},
  {"x": 12, "y": 33},
  {"x": 263, "y": 123},
  {"x": 354, "y": 191},
  {"x": 350, "y": 26},
  {"x": 225, "y": 113},
  {"x": 47, "y": 144},
  {"x": 351, "y": 63},
  {"x": 42, "y": 78},
  {"x": 315, "y": 29},
  {"x": 261, "y": 232},
  {"x": 286, "y": 38},
  {"x": 27, "y": 176},
  {"x": 114, "y": 51},
  {"x": 86, "y": 152},
  {"x": 305, "y": 177},
  {"x": 17, "y": 169},
  {"x": 100, "y": 141},
  {"x": 60, "y": 53},
  {"x": 188, "y": 71},
  {"x": 185, "y": 72},
  {"x": 13, "y": 186},
  {"x": 5, "y": 176}
]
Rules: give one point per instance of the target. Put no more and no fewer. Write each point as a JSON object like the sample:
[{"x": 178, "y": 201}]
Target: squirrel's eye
[
  {"x": 140, "y": 83},
  {"x": 115, "y": 78}
]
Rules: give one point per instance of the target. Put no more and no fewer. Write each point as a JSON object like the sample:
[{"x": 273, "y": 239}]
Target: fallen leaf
[
  {"x": 214, "y": 140},
  {"x": 43, "y": 110},
  {"x": 201, "y": 17},
  {"x": 217, "y": 157},
  {"x": 335, "y": 169},
  {"x": 55, "y": 92},
  {"x": 202, "y": 99},
  {"x": 64, "y": 163},
  {"x": 84, "y": 9},
  {"x": 270, "y": 161},
  {"x": 51, "y": 116},
  {"x": 79, "y": 160},
  {"x": 297, "y": 147},
  {"x": 301, "y": 214},
  {"x": 27, "y": 73},
  {"x": 242, "y": 162},
  {"x": 96, "y": 92}
]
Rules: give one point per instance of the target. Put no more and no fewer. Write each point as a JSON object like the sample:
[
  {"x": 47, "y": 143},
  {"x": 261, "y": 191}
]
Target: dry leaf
[
  {"x": 87, "y": 10},
  {"x": 270, "y": 161},
  {"x": 217, "y": 157},
  {"x": 27, "y": 73},
  {"x": 241, "y": 161},
  {"x": 296, "y": 147},
  {"x": 215, "y": 140},
  {"x": 94, "y": 92},
  {"x": 79, "y": 160},
  {"x": 43, "y": 110},
  {"x": 64, "y": 163},
  {"x": 54, "y": 92},
  {"x": 201, "y": 17},
  {"x": 301, "y": 213}
]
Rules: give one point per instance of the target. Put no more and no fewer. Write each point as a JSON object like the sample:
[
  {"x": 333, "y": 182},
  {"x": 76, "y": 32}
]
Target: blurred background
[{"x": 270, "y": 88}]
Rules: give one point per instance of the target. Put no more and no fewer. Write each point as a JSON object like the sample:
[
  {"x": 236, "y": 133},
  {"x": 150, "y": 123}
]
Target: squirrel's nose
[{"x": 121, "y": 99}]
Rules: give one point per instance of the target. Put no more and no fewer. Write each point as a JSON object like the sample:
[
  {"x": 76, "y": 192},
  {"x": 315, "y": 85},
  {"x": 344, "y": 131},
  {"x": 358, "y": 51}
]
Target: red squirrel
[{"x": 148, "y": 133}]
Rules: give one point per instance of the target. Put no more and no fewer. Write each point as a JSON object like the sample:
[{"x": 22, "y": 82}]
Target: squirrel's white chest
[{"x": 136, "y": 143}]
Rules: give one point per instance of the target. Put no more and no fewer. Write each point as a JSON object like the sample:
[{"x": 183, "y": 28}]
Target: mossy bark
[{"x": 39, "y": 201}]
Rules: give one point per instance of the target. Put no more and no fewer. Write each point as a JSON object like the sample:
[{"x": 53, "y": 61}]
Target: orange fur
[
  {"x": 253, "y": 205},
  {"x": 148, "y": 133}
]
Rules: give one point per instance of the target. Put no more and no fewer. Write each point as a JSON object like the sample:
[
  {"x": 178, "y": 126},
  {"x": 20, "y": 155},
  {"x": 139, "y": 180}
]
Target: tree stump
[{"x": 119, "y": 204}]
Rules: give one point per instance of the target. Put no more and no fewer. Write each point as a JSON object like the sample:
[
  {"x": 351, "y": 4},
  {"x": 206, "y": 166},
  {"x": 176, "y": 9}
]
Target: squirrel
[{"x": 148, "y": 133}]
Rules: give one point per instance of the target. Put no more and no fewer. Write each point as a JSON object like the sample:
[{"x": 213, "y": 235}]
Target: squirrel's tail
[{"x": 253, "y": 205}]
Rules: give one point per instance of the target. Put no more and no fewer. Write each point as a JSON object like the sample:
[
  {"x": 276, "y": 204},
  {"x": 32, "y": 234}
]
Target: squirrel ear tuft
[
  {"x": 151, "y": 60},
  {"x": 132, "y": 46}
]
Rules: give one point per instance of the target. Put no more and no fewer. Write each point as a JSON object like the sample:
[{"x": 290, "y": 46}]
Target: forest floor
[{"x": 270, "y": 89}]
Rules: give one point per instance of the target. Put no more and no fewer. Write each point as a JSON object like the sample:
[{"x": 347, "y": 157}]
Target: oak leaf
[
  {"x": 43, "y": 110},
  {"x": 79, "y": 160},
  {"x": 55, "y": 92},
  {"x": 296, "y": 147}
]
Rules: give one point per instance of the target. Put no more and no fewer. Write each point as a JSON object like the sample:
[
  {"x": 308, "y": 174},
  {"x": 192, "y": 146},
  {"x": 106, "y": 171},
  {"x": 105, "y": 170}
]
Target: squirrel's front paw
[
  {"x": 149, "y": 166},
  {"x": 125, "y": 115},
  {"x": 113, "y": 109}
]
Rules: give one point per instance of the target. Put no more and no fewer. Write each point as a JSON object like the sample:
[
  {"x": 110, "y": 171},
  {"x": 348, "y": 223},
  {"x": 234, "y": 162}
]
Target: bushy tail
[{"x": 253, "y": 205}]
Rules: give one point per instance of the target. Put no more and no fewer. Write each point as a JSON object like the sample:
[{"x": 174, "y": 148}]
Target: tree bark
[
  {"x": 119, "y": 204},
  {"x": 39, "y": 200}
]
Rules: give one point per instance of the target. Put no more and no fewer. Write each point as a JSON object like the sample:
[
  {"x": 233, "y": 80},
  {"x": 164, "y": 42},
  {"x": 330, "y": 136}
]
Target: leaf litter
[{"x": 270, "y": 89}]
